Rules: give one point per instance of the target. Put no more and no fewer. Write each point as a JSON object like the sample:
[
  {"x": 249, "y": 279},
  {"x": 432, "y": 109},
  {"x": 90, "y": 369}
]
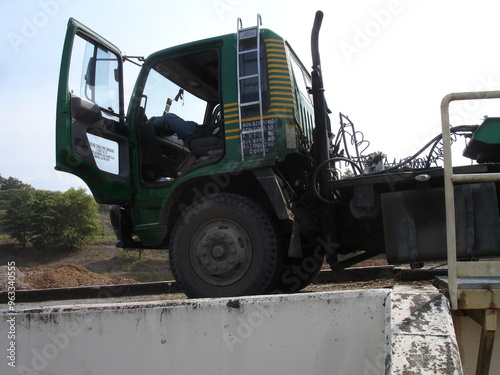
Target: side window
[
  {"x": 94, "y": 75},
  {"x": 301, "y": 77},
  {"x": 304, "y": 111}
]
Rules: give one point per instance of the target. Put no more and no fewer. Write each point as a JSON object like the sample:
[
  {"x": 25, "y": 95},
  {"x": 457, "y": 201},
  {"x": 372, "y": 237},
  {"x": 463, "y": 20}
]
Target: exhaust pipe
[{"x": 321, "y": 140}]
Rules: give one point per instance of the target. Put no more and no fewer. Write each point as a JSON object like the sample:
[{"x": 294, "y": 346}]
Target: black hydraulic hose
[
  {"x": 317, "y": 192},
  {"x": 435, "y": 140}
]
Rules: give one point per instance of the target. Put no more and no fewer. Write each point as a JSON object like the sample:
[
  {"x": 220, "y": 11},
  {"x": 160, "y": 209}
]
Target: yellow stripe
[
  {"x": 233, "y": 137},
  {"x": 275, "y": 50},
  {"x": 232, "y": 130},
  {"x": 283, "y": 86},
  {"x": 278, "y": 71},
  {"x": 282, "y": 78},
  {"x": 279, "y": 94},
  {"x": 279, "y": 81},
  {"x": 282, "y": 102},
  {"x": 283, "y": 105},
  {"x": 278, "y": 60},
  {"x": 284, "y": 116},
  {"x": 274, "y": 42},
  {"x": 247, "y": 119}
]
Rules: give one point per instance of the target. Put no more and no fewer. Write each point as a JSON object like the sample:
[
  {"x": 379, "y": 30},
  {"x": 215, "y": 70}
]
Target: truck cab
[{"x": 249, "y": 87}]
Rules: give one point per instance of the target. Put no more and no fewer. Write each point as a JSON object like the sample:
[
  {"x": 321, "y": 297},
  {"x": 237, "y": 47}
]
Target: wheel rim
[{"x": 220, "y": 252}]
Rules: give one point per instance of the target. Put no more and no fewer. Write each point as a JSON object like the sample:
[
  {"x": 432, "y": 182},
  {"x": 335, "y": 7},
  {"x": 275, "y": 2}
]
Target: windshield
[{"x": 162, "y": 95}]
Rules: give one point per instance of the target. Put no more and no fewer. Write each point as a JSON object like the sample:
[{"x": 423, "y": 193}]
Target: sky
[{"x": 386, "y": 63}]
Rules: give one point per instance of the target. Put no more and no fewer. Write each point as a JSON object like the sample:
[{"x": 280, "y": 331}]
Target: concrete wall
[
  {"x": 367, "y": 332},
  {"x": 320, "y": 333}
]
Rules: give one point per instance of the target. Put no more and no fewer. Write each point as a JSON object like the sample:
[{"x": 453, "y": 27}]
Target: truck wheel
[
  {"x": 224, "y": 246},
  {"x": 298, "y": 273}
]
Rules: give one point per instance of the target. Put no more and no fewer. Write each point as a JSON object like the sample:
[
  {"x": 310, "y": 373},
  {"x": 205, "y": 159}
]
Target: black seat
[
  {"x": 161, "y": 156},
  {"x": 206, "y": 145},
  {"x": 207, "y": 139}
]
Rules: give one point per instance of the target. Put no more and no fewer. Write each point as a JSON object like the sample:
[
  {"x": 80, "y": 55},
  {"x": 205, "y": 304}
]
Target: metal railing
[{"x": 457, "y": 269}]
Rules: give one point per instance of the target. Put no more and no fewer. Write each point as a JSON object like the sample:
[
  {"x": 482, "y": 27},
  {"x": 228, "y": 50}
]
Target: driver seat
[{"x": 208, "y": 139}]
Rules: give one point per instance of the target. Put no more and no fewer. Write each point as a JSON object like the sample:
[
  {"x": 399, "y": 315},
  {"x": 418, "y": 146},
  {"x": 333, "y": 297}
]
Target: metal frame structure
[{"x": 473, "y": 287}]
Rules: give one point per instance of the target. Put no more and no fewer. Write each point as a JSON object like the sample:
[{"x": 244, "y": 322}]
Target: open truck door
[{"x": 91, "y": 134}]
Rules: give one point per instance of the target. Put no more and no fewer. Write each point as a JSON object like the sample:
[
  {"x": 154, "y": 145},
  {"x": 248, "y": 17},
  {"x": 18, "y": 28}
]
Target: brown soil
[
  {"x": 100, "y": 264},
  {"x": 104, "y": 264},
  {"x": 63, "y": 276},
  {"x": 66, "y": 276}
]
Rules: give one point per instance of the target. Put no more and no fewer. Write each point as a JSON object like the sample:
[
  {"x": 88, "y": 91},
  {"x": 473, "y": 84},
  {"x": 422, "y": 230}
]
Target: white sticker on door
[{"x": 106, "y": 153}]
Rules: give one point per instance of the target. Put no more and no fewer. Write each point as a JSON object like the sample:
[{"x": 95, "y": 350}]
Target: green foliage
[
  {"x": 77, "y": 220},
  {"x": 9, "y": 187},
  {"x": 12, "y": 183},
  {"x": 47, "y": 219},
  {"x": 19, "y": 215}
]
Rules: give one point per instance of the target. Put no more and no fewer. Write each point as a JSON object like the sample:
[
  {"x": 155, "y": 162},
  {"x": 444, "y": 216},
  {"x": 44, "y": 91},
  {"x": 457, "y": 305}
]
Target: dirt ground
[
  {"x": 104, "y": 264},
  {"x": 99, "y": 264}
]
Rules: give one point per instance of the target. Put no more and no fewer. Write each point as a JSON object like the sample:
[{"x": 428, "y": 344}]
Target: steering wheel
[{"x": 216, "y": 115}]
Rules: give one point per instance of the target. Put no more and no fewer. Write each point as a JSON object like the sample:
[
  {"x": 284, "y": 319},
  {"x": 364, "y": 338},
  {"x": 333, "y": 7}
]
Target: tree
[
  {"x": 17, "y": 221},
  {"x": 12, "y": 183},
  {"x": 77, "y": 221},
  {"x": 47, "y": 219},
  {"x": 43, "y": 231},
  {"x": 8, "y": 187}
]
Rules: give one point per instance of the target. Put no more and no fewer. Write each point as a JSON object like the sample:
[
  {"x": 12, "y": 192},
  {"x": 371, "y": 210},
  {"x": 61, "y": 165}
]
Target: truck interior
[{"x": 187, "y": 85}]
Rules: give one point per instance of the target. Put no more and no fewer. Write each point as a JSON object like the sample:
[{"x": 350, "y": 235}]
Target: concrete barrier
[
  {"x": 351, "y": 332},
  {"x": 420, "y": 335}
]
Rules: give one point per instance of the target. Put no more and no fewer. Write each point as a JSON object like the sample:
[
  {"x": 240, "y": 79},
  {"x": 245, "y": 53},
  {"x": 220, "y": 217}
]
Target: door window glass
[{"x": 94, "y": 75}]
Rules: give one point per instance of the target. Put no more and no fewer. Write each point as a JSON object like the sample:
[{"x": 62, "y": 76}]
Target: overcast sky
[{"x": 387, "y": 63}]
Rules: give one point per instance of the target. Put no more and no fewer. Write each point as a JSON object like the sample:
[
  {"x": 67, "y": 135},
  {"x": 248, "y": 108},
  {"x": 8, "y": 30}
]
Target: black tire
[
  {"x": 224, "y": 246},
  {"x": 298, "y": 273}
]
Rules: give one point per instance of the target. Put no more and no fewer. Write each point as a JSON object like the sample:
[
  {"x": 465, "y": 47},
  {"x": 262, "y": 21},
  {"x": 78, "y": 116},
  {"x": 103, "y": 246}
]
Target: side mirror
[{"x": 90, "y": 74}]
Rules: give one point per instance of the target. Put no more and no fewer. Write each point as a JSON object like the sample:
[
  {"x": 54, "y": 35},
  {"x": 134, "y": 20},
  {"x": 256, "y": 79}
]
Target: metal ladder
[
  {"x": 480, "y": 302},
  {"x": 244, "y": 36}
]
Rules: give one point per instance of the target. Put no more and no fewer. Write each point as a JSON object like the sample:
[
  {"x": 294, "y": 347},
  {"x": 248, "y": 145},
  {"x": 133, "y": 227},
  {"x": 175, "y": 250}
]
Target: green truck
[{"x": 270, "y": 191}]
